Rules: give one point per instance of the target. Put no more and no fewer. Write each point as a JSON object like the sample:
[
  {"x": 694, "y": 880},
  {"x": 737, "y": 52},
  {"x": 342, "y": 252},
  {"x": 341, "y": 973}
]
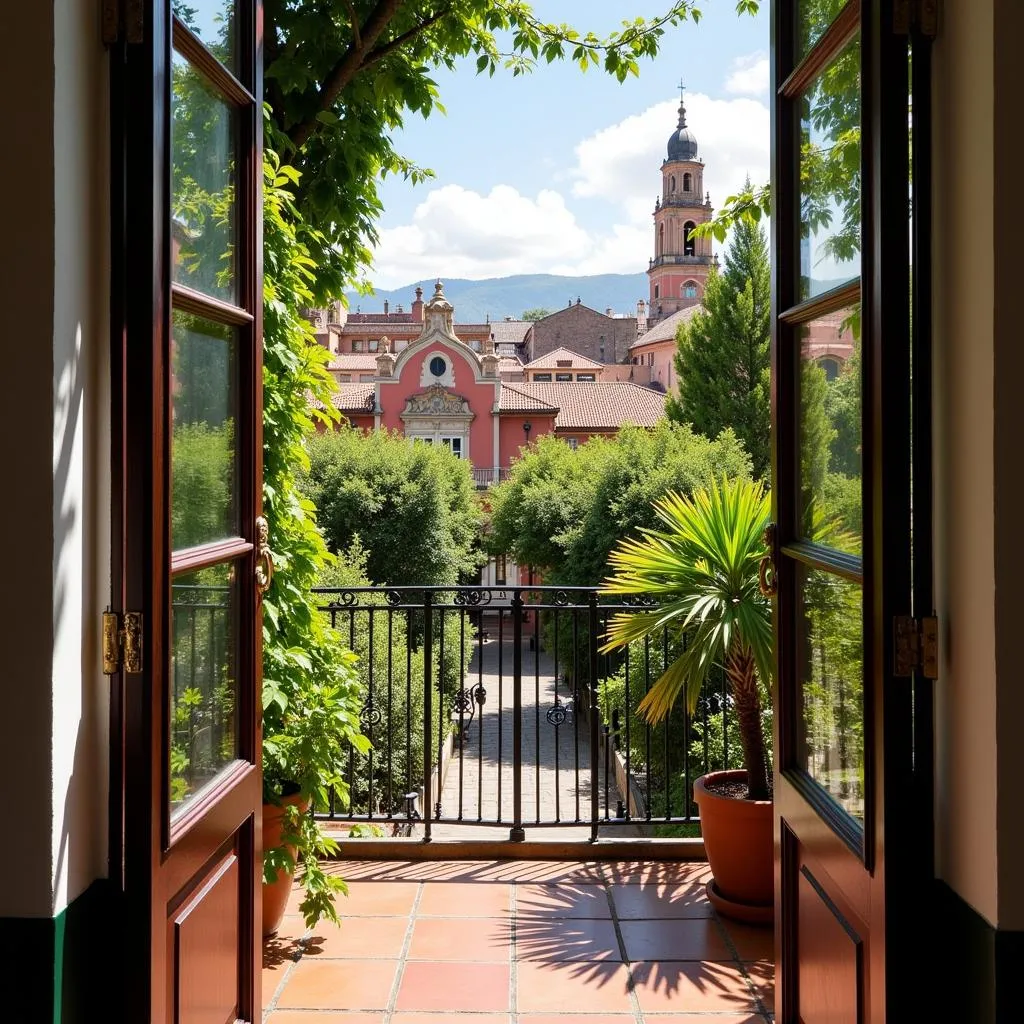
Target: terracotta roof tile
[
  {"x": 665, "y": 330},
  {"x": 509, "y": 332},
  {"x": 352, "y": 398},
  {"x": 513, "y": 399},
  {"x": 584, "y": 406},
  {"x": 560, "y": 357},
  {"x": 353, "y": 361}
]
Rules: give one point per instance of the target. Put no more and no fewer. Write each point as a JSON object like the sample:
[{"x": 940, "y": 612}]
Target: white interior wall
[
  {"x": 54, "y": 412},
  {"x": 81, "y": 447},
  {"x": 965, "y": 802}
]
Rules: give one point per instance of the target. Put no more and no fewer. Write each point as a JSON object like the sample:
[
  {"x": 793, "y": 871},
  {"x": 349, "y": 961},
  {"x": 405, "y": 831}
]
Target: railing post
[
  {"x": 594, "y": 712},
  {"x": 517, "y": 834},
  {"x": 428, "y": 708}
]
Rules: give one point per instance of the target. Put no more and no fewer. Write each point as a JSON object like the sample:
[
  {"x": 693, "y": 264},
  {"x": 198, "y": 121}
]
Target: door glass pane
[
  {"x": 830, "y": 430},
  {"x": 203, "y": 442},
  {"x": 813, "y": 18},
  {"x": 203, "y": 200},
  {"x": 214, "y": 22},
  {"x": 830, "y": 175},
  {"x": 204, "y": 646},
  {"x": 830, "y": 730}
]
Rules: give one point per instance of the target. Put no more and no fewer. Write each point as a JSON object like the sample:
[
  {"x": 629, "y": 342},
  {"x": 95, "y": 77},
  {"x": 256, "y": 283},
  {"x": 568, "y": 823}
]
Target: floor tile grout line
[
  {"x": 403, "y": 955},
  {"x": 513, "y": 970},
  {"x": 727, "y": 938},
  {"x": 269, "y": 1008},
  {"x": 601, "y": 870},
  {"x": 634, "y": 999}
]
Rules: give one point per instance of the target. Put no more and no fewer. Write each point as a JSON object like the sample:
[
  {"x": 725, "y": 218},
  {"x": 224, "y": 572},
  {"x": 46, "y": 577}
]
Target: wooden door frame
[
  {"x": 896, "y": 844},
  {"x": 140, "y": 83}
]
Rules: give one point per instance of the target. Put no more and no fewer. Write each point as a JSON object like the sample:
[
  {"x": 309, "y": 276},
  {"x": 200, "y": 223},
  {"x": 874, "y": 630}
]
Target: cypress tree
[{"x": 722, "y": 356}]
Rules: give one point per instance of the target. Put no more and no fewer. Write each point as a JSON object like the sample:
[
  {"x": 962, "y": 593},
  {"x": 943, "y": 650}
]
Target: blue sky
[{"x": 557, "y": 171}]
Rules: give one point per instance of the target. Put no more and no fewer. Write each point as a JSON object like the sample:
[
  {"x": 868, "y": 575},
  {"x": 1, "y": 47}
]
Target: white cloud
[
  {"x": 457, "y": 232},
  {"x": 621, "y": 162},
  {"x": 749, "y": 76}
]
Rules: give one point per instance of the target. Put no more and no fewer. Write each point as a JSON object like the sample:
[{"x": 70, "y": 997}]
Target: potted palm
[{"x": 702, "y": 564}]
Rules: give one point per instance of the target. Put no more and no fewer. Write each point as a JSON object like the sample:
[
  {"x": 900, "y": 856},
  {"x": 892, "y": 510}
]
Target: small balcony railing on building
[
  {"x": 671, "y": 260},
  {"x": 489, "y": 476},
  {"x": 493, "y": 707}
]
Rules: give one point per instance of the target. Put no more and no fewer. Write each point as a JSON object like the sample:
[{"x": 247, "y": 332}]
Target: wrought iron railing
[
  {"x": 487, "y": 475},
  {"x": 673, "y": 259},
  {"x": 491, "y": 706},
  {"x": 202, "y": 683}
]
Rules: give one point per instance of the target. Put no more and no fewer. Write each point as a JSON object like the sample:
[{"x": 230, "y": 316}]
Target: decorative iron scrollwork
[
  {"x": 468, "y": 699},
  {"x": 371, "y": 715},
  {"x": 472, "y": 598},
  {"x": 560, "y": 598},
  {"x": 639, "y": 600},
  {"x": 345, "y": 599},
  {"x": 560, "y": 714},
  {"x": 393, "y": 597}
]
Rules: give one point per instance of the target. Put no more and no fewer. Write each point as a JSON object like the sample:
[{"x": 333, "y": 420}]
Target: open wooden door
[
  {"x": 187, "y": 296},
  {"x": 852, "y": 721}
]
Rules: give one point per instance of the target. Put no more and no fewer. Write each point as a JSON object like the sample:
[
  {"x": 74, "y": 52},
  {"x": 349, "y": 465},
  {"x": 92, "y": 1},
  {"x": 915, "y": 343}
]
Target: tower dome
[{"x": 682, "y": 143}]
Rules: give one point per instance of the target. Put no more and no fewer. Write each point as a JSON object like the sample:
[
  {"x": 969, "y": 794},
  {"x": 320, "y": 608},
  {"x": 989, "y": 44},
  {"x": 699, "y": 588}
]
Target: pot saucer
[{"x": 749, "y": 913}]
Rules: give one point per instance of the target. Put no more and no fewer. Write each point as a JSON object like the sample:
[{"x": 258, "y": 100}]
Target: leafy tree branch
[{"x": 342, "y": 75}]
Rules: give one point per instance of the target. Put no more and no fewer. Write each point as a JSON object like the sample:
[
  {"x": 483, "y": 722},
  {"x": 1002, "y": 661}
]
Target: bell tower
[{"x": 679, "y": 269}]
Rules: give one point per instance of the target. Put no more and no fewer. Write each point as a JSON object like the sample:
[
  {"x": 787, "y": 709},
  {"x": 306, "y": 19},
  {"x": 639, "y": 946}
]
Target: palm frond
[{"x": 704, "y": 564}]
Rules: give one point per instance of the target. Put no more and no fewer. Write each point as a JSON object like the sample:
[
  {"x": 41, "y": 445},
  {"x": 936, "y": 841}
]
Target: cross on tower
[{"x": 681, "y": 90}]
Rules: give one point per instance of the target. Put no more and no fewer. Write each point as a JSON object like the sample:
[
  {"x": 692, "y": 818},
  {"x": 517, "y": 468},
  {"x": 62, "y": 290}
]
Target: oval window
[{"x": 438, "y": 366}]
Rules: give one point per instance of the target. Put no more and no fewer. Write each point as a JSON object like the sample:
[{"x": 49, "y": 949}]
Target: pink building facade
[
  {"x": 438, "y": 390},
  {"x": 441, "y": 391}
]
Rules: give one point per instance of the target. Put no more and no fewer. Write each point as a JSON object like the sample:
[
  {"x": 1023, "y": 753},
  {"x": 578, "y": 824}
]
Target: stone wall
[{"x": 582, "y": 329}]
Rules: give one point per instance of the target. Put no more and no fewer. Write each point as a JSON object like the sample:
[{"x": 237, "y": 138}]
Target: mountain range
[
  {"x": 496, "y": 298},
  {"x": 500, "y": 297}
]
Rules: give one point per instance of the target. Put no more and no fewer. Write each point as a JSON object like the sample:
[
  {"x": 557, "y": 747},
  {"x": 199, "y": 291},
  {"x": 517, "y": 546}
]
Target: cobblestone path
[{"x": 480, "y": 774}]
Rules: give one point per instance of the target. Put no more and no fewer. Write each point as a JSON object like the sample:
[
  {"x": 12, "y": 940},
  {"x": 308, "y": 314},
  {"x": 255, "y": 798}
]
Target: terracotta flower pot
[
  {"x": 276, "y": 893},
  {"x": 738, "y": 841}
]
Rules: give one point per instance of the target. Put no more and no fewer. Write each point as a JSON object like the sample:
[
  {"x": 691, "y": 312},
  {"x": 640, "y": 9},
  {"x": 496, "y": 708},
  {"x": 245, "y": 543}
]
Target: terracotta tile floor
[{"x": 520, "y": 943}]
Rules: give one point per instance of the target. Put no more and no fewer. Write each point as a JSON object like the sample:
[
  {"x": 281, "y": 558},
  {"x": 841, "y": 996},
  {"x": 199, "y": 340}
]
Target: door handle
[
  {"x": 264, "y": 560},
  {"x": 766, "y": 576}
]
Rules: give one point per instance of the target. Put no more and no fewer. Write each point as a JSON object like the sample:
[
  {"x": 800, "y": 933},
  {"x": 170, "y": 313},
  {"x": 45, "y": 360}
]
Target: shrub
[
  {"x": 413, "y": 506},
  {"x": 379, "y": 778}
]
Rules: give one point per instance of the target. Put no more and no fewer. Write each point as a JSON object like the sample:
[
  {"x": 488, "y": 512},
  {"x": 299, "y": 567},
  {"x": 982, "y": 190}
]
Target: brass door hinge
[
  {"x": 916, "y": 646},
  {"x": 121, "y": 20},
  {"x": 122, "y": 643},
  {"x": 920, "y": 14}
]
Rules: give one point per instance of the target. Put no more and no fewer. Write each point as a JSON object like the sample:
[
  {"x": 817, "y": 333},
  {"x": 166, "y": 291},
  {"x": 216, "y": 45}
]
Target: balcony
[
  {"x": 520, "y": 808},
  {"x": 488, "y": 477},
  {"x": 494, "y": 716},
  {"x": 686, "y": 261},
  {"x": 687, "y": 199},
  {"x": 492, "y": 942}
]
